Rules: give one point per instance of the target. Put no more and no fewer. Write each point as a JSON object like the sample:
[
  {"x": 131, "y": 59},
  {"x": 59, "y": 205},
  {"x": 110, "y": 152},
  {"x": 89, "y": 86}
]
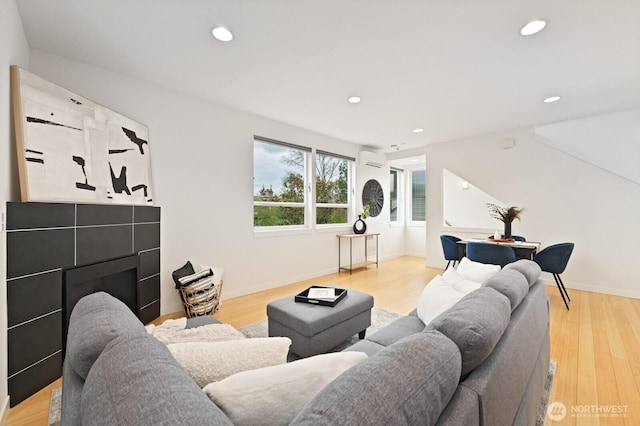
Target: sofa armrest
[{"x": 71, "y": 394}]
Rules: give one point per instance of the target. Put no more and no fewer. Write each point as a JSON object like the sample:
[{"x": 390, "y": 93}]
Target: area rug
[
  {"x": 379, "y": 319},
  {"x": 548, "y": 385},
  {"x": 55, "y": 406}
]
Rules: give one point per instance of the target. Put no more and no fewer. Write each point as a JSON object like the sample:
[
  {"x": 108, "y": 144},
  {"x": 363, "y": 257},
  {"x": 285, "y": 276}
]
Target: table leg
[
  {"x": 377, "y": 251},
  {"x": 350, "y": 256},
  {"x": 366, "y": 255}
]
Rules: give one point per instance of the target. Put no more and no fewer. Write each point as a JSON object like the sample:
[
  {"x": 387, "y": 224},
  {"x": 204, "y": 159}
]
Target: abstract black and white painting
[{"x": 71, "y": 149}]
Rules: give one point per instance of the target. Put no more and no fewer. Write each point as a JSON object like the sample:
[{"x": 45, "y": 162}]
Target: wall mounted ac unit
[{"x": 372, "y": 159}]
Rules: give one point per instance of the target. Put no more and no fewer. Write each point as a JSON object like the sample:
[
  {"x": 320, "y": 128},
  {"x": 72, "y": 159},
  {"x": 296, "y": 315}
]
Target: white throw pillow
[
  {"x": 437, "y": 297},
  {"x": 452, "y": 276},
  {"x": 466, "y": 286},
  {"x": 476, "y": 271},
  {"x": 208, "y": 362},
  {"x": 205, "y": 333},
  {"x": 275, "y": 395},
  {"x": 459, "y": 282}
]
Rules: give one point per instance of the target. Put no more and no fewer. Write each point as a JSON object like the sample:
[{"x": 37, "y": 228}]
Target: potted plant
[
  {"x": 360, "y": 227},
  {"x": 505, "y": 215}
]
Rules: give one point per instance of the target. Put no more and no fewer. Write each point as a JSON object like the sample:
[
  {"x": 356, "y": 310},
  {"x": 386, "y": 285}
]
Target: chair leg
[
  {"x": 560, "y": 289},
  {"x": 563, "y": 287}
]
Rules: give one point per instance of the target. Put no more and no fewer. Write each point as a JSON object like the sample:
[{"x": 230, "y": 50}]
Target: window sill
[
  {"x": 342, "y": 228},
  {"x": 268, "y": 233}
]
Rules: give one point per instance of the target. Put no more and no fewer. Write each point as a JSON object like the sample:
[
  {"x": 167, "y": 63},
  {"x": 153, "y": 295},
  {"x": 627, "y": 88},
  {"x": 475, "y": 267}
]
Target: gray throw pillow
[
  {"x": 195, "y": 322},
  {"x": 475, "y": 324},
  {"x": 511, "y": 283},
  {"x": 409, "y": 382}
]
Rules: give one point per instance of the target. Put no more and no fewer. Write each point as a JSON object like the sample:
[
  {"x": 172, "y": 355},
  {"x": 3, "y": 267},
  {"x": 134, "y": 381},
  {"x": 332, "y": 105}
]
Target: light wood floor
[{"x": 596, "y": 344}]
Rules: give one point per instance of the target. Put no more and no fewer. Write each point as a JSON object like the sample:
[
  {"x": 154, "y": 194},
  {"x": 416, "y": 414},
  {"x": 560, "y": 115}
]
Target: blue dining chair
[
  {"x": 452, "y": 252},
  {"x": 490, "y": 253},
  {"x": 519, "y": 238},
  {"x": 554, "y": 259}
]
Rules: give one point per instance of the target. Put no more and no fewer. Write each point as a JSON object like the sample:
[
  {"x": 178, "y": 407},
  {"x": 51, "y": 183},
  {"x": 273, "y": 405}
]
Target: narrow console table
[{"x": 366, "y": 262}]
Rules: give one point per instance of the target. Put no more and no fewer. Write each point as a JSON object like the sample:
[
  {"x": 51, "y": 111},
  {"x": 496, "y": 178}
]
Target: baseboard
[
  {"x": 633, "y": 294},
  {"x": 4, "y": 411},
  {"x": 228, "y": 293}
]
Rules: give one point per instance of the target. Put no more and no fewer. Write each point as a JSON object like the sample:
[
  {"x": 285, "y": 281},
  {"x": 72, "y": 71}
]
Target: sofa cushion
[
  {"x": 476, "y": 271},
  {"x": 398, "y": 329},
  {"x": 510, "y": 283},
  {"x": 530, "y": 269},
  {"x": 367, "y": 346},
  {"x": 136, "y": 381},
  {"x": 207, "y": 362},
  {"x": 96, "y": 320},
  {"x": 251, "y": 397},
  {"x": 475, "y": 324},
  {"x": 409, "y": 382}
]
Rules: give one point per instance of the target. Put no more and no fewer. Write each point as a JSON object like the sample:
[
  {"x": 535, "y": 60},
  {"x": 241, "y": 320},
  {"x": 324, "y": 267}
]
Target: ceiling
[{"x": 455, "y": 68}]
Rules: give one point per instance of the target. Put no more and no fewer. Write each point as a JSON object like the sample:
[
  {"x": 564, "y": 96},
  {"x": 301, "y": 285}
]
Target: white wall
[
  {"x": 13, "y": 51},
  {"x": 565, "y": 199},
  {"x": 202, "y": 170},
  {"x": 466, "y": 207}
]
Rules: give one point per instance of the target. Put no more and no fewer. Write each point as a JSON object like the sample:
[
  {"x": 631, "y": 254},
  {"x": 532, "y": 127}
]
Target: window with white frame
[
  {"x": 280, "y": 184},
  {"x": 333, "y": 177},
  {"x": 283, "y": 196},
  {"x": 395, "y": 195},
  {"x": 418, "y": 198}
]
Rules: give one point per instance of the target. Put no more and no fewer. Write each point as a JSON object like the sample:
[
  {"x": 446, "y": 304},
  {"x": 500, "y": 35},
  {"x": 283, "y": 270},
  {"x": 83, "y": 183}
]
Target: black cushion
[{"x": 184, "y": 271}]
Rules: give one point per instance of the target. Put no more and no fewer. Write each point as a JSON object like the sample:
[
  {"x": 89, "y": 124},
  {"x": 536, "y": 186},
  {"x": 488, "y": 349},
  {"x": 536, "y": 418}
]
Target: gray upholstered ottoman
[{"x": 315, "y": 329}]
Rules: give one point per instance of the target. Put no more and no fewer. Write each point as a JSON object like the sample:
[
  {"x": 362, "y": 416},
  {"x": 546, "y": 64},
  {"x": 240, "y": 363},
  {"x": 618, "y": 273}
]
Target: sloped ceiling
[
  {"x": 455, "y": 68},
  {"x": 609, "y": 141}
]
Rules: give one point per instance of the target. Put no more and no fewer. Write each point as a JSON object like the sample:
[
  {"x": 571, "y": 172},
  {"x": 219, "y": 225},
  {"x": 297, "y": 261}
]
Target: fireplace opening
[{"x": 119, "y": 277}]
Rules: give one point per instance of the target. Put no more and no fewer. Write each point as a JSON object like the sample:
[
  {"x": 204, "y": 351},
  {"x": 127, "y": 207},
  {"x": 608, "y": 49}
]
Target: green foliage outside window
[{"x": 332, "y": 186}]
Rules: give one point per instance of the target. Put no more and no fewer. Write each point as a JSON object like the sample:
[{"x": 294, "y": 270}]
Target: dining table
[{"x": 523, "y": 249}]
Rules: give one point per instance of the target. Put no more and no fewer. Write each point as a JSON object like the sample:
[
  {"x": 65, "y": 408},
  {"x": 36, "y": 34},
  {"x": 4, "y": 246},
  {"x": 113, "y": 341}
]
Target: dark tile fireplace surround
[{"x": 44, "y": 241}]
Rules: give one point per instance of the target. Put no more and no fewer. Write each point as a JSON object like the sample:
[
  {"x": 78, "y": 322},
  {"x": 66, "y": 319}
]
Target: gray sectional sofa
[{"x": 483, "y": 361}]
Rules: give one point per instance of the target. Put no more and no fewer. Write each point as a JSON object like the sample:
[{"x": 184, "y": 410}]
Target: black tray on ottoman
[{"x": 304, "y": 297}]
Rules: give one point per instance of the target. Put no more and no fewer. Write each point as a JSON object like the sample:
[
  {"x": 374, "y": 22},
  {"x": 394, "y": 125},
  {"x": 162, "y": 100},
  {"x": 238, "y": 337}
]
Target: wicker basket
[
  {"x": 203, "y": 301},
  {"x": 201, "y": 292}
]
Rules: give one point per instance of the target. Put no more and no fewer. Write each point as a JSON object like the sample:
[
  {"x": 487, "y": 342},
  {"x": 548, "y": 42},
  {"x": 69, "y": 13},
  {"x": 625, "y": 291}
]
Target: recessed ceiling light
[
  {"x": 551, "y": 99},
  {"x": 222, "y": 34},
  {"x": 418, "y": 130},
  {"x": 533, "y": 27},
  {"x": 354, "y": 99}
]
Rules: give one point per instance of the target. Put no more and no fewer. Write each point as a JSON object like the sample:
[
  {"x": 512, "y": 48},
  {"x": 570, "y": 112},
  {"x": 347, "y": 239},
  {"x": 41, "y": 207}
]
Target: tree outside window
[
  {"x": 279, "y": 184},
  {"x": 332, "y": 189},
  {"x": 281, "y": 190}
]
